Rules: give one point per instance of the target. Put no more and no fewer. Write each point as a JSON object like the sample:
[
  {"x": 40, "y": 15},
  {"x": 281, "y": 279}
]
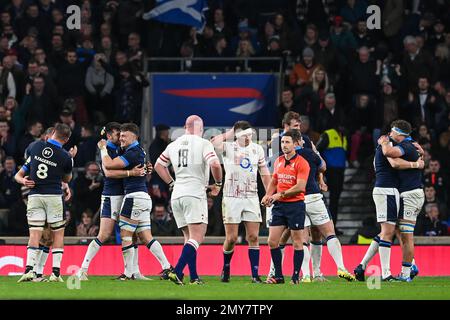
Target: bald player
[{"x": 191, "y": 157}]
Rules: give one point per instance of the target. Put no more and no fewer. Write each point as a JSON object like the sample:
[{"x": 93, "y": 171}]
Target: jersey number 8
[{"x": 42, "y": 171}]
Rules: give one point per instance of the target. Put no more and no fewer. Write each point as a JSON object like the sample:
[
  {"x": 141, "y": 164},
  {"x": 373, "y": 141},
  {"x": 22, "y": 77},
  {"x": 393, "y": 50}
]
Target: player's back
[
  {"x": 189, "y": 155},
  {"x": 314, "y": 162},
  {"x": 113, "y": 186},
  {"x": 410, "y": 179},
  {"x": 47, "y": 164},
  {"x": 385, "y": 175}
]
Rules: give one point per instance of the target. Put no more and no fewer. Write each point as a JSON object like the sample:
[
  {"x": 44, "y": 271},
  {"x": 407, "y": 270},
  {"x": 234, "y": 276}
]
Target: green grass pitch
[{"x": 240, "y": 288}]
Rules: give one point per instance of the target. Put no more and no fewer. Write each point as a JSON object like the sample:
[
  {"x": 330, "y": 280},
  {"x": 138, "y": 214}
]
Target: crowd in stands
[{"x": 339, "y": 75}]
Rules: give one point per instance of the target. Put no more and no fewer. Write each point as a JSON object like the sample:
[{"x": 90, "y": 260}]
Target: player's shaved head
[{"x": 194, "y": 125}]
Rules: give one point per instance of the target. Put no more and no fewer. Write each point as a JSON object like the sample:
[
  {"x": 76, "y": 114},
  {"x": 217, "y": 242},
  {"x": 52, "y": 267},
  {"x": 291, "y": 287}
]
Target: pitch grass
[{"x": 240, "y": 288}]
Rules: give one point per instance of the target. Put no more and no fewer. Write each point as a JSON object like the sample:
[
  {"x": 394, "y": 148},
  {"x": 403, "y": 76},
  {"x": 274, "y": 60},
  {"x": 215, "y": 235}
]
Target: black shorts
[{"x": 290, "y": 214}]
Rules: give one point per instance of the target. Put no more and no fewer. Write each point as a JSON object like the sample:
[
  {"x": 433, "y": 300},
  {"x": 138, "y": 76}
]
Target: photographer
[{"x": 87, "y": 190}]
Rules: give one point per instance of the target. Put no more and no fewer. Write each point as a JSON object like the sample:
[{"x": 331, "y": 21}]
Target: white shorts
[
  {"x": 269, "y": 216},
  {"x": 235, "y": 210},
  {"x": 387, "y": 204},
  {"x": 316, "y": 210},
  {"x": 137, "y": 206},
  {"x": 412, "y": 202},
  {"x": 189, "y": 210},
  {"x": 45, "y": 207},
  {"x": 110, "y": 207}
]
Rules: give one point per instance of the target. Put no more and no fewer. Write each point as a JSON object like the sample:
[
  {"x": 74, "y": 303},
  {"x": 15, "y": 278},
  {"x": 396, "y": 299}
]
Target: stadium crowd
[{"x": 344, "y": 80}]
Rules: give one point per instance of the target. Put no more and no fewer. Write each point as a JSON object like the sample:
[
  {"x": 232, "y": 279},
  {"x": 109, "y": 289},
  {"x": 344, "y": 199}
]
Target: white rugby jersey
[
  {"x": 190, "y": 156},
  {"x": 241, "y": 169}
]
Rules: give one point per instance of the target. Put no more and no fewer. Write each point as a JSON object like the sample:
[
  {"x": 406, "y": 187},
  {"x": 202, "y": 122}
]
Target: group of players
[{"x": 294, "y": 203}]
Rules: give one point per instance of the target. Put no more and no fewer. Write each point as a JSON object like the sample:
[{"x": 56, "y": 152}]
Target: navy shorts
[{"x": 289, "y": 214}]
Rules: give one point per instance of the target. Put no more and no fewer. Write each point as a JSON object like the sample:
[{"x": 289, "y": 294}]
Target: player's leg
[
  {"x": 153, "y": 246},
  {"x": 57, "y": 252},
  {"x": 127, "y": 229},
  {"x": 45, "y": 244},
  {"x": 252, "y": 232},
  {"x": 231, "y": 234},
  {"x": 384, "y": 249},
  {"x": 36, "y": 222},
  {"x": 306, "y": 274},
  {"x": 316, "y": 254}
]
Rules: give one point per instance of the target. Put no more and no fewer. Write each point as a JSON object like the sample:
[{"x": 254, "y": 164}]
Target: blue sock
[
  {"x": 253, "y": 255},
  {"x": 276, "y": 258},
  {"x": 188, "y": 255},
  {"x": 192, "y": 264},
  {"x": 298, "y": 260},
  {"x": 227, "y": 255}
]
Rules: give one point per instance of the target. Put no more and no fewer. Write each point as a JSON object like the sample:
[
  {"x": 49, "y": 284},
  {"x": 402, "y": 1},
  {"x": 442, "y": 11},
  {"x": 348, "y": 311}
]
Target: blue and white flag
[{"x": 188, "y": 12}]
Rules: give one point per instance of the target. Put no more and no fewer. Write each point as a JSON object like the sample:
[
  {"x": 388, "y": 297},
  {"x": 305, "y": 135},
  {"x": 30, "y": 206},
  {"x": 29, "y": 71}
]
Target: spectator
[
  {"x": 360, "y": 127},
  {"x": 160, "y": 142},
  {"x": 354, "y": 10},
  {"x": 326, "y": 55},
  {"x": 215, "y": 222},
  {"x": 430, "y": 198},
  {"x": 362, "y": 36},
  {"x": 87, "y": 190},
  {"x": 333, "y": 148},
  {"x": 430, "y": 225},
  {"x": 87, "y": 147},
  {"x": 87, "y": 228},
  {"x": 7, "y": 140},
  {"x": 9, "y": 188},
  {"x": 442, "y": 55},
  {"x": 162, "y": 223},
  {"x": 386, "y": 111},
  {"x": 219, "y": 25},
  {"x": 7, "y": 84},
  {"x": 134, "y": 53},
  {"x": 34, "y": 132},
  {"x": 57, "y": 52},
  {"x": 434, "y": 176},
  {"x": 343, "y": 40},
  {"x": 330, "y": 115},
  {"x": 363, "y": 79},
  {"x": 302, "y": 72},
  {"x": 10, "y": 107},
  {"x": 66, "y": 117},
  {"x": 305, "y": 129},
  {"x": 17, "y": 217},
  {"x": 286, "y": 105},
  {"x": 106, "y": 47},
  {"x": 392, "y": 22},
  {"x": 99, "y": 84},
  {"x": 220, "y": 51}
]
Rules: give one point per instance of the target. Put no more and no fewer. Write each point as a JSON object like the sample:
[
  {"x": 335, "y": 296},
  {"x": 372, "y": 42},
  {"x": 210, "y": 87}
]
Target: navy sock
[
  {"x": 276, "y": 258},
  {"x": 298, "y": 260},
  {"x": 253, "y": 255},
  {"x": 192, "y": 264},
  {"x": 187, "y": 254},
  {"x": 227, "y": 255}
]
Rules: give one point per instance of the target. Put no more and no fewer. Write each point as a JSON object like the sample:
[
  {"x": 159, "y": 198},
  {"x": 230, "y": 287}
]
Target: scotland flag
[{"x": 188, "y": 12}]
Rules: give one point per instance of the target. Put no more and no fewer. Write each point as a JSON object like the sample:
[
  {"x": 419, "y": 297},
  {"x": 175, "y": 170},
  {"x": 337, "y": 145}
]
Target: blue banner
[
  {"x": 220, "y": 99},
  {"x": 188, "y": 12}
]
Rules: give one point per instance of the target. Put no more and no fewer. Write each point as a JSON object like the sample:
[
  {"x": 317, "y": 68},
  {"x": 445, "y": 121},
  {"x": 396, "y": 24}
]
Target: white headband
[
  {"x": 399, "y": 131},
  {"x": 246, "y": 132}
]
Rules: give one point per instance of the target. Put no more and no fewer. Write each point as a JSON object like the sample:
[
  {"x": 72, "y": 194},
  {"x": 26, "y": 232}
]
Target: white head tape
[
  {"x": 246, "y": 132},
  {"x": 399, "y": 131}
]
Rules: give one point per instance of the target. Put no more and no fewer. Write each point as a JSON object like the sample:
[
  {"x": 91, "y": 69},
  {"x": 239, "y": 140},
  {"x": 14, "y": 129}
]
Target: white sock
[
  {"x": 38, "y": 257},
  {"x": 32, "y": 253},
  {"x": 92, "y": 250},
  {"x": 57, "y": 254},
  {"x": 406, "y": 271},
  {"x": 413, "y": 262},
  {"x": 40, "y": 263},
  {"x": 156, "y": 249},
  {"x": 385, "y": 258},
  {"x": 136, "y": 260},
  {"x": 370, "y": 253},
  {"x": 128, "y": 253},
  {"x": 335, "y": 250},
  {"x": 305, "y": 262},
  {"x": 316, "y": 257}
]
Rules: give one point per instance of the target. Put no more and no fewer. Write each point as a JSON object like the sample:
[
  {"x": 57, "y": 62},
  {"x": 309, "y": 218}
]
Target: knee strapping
[
  {"x": 123, "y": 225},
  {"x": 36, "y": 225},
  {"x": 57, "y": 225},
  {"x": 406, "y": 227}
]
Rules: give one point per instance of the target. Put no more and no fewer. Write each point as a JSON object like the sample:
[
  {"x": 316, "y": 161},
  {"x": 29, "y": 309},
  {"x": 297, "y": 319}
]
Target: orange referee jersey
[{"x": 288, "y": 172}]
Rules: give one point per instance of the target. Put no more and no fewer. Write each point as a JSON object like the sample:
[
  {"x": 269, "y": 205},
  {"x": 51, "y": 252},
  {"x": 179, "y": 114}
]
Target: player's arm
[
  {"x": 270, "y": 190},
  {"x": 138, "y": 171},
  {"x": 66, "y": 191},
  {"x": 299, "y": 187},
  {"x": 401, "y": 164},
  {"x": 216, "y": 170},
  {"x": 262, "y": 168},
  {"x": 162, "y": 168},
  {"x": 111, "y": 164},
  {"x": 23, "y": 179},
  {"x": 388, "y": 149},
  {"x": 219, "y": 140}
]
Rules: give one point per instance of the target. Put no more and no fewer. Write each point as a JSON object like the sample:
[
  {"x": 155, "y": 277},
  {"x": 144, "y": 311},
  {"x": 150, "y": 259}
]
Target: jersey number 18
[{"x": 182, "y": 158}]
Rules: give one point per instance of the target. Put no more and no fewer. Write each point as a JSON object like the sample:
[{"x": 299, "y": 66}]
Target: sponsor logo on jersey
[{"x": 47, "y": 152}]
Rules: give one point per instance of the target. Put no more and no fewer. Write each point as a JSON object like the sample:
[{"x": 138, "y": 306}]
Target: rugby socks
[
  {"x": 92, "y": 250},
  {"x": 57, "y": 254},
  {"x": 306, "y": 259},
  {"x": 316, "y": 257},
  {"x": 128, "y": 254},
  {"x": 41, "y": 261},
  {"x": 32, "y": 253},
  {"x": 385, "y": 258},
  {"x": 276, "y": 258},
  {"x": 272, "y": 266},
  {"x": 371, "y": 252},
  {"x": 253, "y": 255},
  {"x": 406, "y": 269},
  {"x": 136, "y": 259},
  {"x": 188, "y": 256},
  {"x": 227, "y": 255},
  {"x": 335, "y": 250},
  {"x": 38, "y": 257},
  {"x": 298, "y": 259},
  {"x": 156, "y": 249}
]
